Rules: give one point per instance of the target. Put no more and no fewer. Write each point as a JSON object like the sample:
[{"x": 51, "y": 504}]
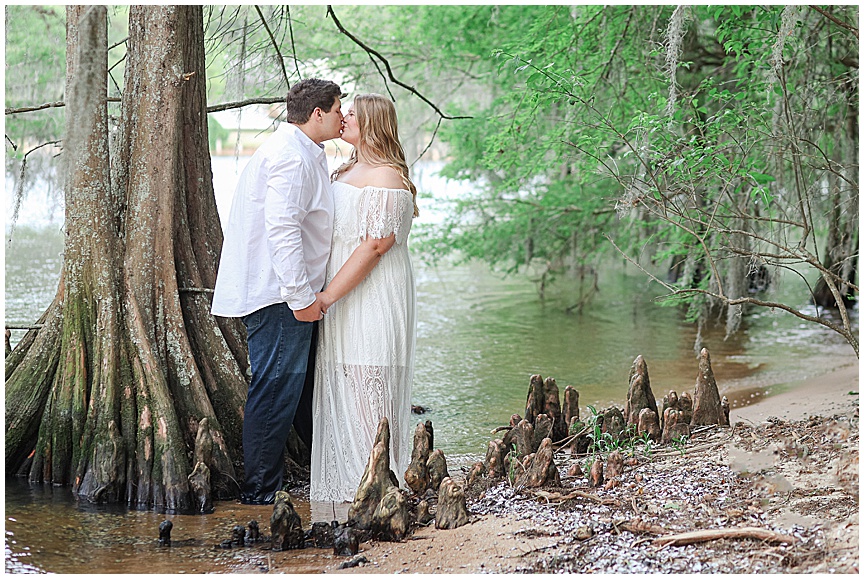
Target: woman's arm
[{"x": 362, "y": 261}]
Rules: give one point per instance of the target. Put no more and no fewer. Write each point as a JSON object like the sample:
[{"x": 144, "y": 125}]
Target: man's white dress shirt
[{"x": 277, "y": 240}]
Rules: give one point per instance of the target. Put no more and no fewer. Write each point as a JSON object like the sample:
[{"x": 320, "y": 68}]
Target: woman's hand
[{"x": 325, "y": 299}]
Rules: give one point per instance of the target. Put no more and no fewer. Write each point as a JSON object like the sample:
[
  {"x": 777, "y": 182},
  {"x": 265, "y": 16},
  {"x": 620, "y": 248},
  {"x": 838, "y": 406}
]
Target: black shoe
[{"x": 267, "y": 499}]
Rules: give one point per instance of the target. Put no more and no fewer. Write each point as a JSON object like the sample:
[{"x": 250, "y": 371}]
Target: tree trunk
[
  {"x": 841, "y": 244},
  {"x": 130, "y": 361}
]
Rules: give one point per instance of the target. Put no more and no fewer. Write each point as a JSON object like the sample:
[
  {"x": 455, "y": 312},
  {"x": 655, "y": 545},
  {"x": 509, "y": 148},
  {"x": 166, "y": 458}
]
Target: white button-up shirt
[{"x": 277, "y": 240}]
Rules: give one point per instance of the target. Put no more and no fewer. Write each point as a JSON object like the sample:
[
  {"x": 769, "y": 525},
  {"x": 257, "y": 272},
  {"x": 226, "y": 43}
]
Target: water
[
  {"x": 480, "y": 337},
  {"x": 48, "y": 530}
]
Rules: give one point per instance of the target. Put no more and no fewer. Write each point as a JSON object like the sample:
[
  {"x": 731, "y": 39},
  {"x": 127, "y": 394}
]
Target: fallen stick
[
  {"x": 638, "y": 526},
  {"x": 558, "y": 497},
  {"x": 689, "y": 450},
  {"x": 713, "y": 534},
  {"x": 565, "y": 442}
]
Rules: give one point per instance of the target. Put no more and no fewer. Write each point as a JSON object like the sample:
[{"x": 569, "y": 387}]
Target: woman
[{"x": 365, "y": 361}]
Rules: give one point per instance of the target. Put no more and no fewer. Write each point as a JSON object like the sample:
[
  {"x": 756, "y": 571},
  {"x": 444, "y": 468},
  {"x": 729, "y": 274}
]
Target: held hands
[
  {"x": 325, "y": 299},
  {"x": 311, "y": 313}
]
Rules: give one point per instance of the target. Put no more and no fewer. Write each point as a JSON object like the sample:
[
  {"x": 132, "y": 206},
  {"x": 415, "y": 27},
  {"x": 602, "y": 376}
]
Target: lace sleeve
[{"x": 384, "y": 212}]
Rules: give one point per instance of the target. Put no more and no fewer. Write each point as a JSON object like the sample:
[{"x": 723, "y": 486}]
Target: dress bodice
[{"x": 372, "y": 211}]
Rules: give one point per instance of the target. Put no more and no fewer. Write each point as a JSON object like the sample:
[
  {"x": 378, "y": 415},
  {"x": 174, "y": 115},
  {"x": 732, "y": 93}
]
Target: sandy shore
[
  {"x": 824, "y": 395},
  {"x": 496, "y": 543}
]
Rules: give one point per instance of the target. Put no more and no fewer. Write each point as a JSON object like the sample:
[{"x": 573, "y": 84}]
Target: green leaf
[{"x": 762, "y": 178}]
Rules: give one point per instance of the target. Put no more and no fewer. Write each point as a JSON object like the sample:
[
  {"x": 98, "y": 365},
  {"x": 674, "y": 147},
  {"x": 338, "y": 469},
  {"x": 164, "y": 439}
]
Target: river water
[{"x": 481, "y": 336}]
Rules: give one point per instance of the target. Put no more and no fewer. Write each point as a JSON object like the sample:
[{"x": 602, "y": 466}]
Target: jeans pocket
[{"x": 253, "y": 321}]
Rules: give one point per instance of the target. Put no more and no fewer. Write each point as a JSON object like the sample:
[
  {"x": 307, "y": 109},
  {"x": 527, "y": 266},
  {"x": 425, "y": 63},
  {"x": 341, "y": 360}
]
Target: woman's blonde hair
[{"x": 379, "y": 139}]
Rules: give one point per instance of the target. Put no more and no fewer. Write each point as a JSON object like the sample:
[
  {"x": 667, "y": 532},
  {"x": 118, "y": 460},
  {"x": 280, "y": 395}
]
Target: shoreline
[
  {"x": 517, "y": 539},
  {"x": 823, "y": 395}
]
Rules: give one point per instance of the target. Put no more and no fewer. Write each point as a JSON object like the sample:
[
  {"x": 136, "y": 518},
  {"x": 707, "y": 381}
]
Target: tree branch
[
  {"x": 673, "y": 291},
  {"x": 371, "y": 52},
  {"x": 275, "y": 46},
  {"x": 210, "y": 109},
  {"x": 247, "y": 102},
  {"x": 293, "y": 47},
  {"x": 432, "y": 140},
  {"x": 704, "y": 535},
  {"x": 836, "y": 21}
]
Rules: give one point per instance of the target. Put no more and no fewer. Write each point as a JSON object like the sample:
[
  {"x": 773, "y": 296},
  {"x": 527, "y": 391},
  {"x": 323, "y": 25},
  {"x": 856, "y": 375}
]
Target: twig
[
  {"x": 432, "y": 140},
  {"x": 293, "y": 47},
  {"x": 565, "y": 442},
  {"x": 275, "y": 46},
  {"x": 118, "y": 43},
  {"x": 372, "y": 52},
  {"x": 640, "y": 526},
  {"x": 702, "y": 429},
  {"x": 714, "y": 534},
  {"x": 689, "y": 450},
  {"x": 10, "y": 111},
  {"x": 19, "y": 187},
  {"x": 558, "y": 497},
  {"x": 836, "y": 21}
]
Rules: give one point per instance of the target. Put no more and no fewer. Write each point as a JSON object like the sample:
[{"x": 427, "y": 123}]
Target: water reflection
[{"x": 47, "y": 530}]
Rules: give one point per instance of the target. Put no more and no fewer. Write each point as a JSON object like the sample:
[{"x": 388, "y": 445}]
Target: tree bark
[{"x": 128, "y": 363}]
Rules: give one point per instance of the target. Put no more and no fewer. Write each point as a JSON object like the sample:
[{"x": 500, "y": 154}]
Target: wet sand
[{"x": 823, "y": 395}]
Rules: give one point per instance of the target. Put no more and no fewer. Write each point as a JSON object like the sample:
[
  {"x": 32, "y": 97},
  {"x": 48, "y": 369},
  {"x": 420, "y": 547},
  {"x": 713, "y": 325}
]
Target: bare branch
[
  {"x": 19, "y": 187},
  {"x": 372, "y": 52},
  {"x": 275, "y": 46},
  {"x": 118, "y": 43},
  {"x": 608, "y": 66},
  {"x": 210, "y": 109},
  {"x": 432, "y": 140},
  {"x": 10, "y": 111},
  {"x": 293, "y": 47},
  {"x": 247, "y": 102}
]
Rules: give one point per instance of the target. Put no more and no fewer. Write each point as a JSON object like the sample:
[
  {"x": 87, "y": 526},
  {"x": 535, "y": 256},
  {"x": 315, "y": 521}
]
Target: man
[{"x": 274, "y": 255}]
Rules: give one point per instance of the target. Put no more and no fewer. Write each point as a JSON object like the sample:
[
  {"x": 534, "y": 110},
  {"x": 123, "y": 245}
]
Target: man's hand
[{"x": 311, "y": 313}]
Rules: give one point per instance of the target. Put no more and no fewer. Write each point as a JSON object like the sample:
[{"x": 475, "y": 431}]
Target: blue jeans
[{"x": 281, "y": 350}]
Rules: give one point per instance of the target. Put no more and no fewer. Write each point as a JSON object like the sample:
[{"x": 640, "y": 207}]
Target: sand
[
  {"x": 500, "y": 544},
  {"x": 824, "y": 395}
]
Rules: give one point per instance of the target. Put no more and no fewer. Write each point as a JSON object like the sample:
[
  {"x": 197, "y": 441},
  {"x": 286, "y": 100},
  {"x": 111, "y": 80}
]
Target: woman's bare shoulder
[{"x": 385, "y": 177}]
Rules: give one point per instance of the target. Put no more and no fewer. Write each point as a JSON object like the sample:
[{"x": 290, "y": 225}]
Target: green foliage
[
  {"x": 680, "y": 443},
  {"x": 215, "y": 132},
  {"x": 581, "y": 142},
  {"x": 35, "y": 74},
  {"x": 576, "y": 136}
]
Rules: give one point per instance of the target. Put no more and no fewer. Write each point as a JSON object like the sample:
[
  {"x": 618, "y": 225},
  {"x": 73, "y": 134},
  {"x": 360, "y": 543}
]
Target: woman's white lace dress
[{"x": 365, "y": 360}]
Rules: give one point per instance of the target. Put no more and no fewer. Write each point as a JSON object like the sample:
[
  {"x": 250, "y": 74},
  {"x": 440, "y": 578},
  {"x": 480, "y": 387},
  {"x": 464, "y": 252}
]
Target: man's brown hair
[{"x": 309, "y": 94}]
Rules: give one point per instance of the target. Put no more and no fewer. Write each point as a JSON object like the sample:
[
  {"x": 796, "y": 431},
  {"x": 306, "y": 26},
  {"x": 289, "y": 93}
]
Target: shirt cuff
[{"x": 299, "y": 300}]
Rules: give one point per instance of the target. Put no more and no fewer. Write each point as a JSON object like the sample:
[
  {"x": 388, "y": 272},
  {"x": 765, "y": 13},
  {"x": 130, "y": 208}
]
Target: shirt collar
[{"x": 303, "y": 139}]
